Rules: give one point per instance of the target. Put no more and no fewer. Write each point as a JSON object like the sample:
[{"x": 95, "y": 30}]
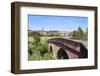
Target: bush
[
  {"x": 48, "y": 56},
  {"x": 35, "y": 56},
  {"x": 37, "y": 39},
  {"x": 42, "y": 49}
]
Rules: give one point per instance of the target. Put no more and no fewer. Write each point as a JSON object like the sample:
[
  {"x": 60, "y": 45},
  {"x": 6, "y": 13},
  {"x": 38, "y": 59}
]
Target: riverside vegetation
[{"x": 38, "y": 48}]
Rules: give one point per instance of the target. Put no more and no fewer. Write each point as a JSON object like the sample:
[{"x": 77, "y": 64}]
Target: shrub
[
  {"x": 37, "y": 39},
  {"x": 42, "y": 49}
]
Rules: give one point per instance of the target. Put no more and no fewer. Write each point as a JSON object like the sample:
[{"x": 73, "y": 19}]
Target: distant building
[
  {"x": 63, "y": 33},
  {"x": 49, "y": 33},
  {"x": 43, "y": 32}
]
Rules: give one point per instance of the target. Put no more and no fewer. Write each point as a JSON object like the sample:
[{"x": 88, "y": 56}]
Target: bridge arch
[
  {"x": 67, "y": 49},
  {"x": 51, "y": 50},
  {"x": 61, "y": 54}
]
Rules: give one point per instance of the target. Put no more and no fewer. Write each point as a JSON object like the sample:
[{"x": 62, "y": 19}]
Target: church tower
[{"x": 42, "y": 30}]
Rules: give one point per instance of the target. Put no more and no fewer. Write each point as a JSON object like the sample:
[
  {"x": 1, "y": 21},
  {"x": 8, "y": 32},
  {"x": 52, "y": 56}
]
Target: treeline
[
  {"x": 80, "y": 34},
  {"x": 33, "y": 33}
]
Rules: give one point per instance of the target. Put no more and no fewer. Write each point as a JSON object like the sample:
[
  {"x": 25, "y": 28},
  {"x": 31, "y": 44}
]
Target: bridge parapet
[
  {"x": 66, "y": 42},
  {"x": 71, "y": 42}
]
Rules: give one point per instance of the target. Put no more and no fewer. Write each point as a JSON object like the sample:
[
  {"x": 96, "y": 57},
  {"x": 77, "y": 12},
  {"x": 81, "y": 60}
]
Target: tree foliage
[
  {"x": 80, "y": 34},
  {"x": 37, "y": 39},
  {"x": 38, "y": 50}
]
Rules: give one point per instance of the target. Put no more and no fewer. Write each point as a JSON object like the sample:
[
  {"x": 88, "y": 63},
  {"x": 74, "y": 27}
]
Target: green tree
[
  {"x": 37, "y": 38},
  {"x": 74, "y": 34},
  {"x": 87, "y": 32},
  {"x": 80, "y": 32},
  {"x": 42, "y": 49}
]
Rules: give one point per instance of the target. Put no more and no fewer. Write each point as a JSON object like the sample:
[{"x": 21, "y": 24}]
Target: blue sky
[{"x": 58, "y": 23}]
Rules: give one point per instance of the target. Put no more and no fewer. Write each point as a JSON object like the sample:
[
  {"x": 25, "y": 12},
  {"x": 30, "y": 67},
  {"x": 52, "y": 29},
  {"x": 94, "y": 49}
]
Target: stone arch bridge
[{"x": 67, "y": 48}]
